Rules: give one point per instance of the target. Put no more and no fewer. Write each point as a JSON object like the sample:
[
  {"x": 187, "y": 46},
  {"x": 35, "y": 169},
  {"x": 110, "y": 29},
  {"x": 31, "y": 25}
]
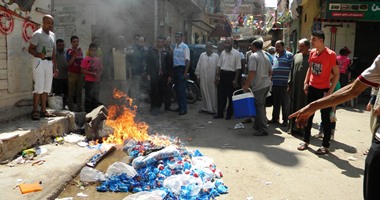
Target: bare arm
[
  {"x": 307, "y": 79},
  {"x": 344, "y": 94},
  {"x": 187, "y": 63},
  {"x": 33, "y": 51},
  {"x": 251, "y": 76},
  {"x": 335, "y": 80},
  {"x": 72, "y": 59}
]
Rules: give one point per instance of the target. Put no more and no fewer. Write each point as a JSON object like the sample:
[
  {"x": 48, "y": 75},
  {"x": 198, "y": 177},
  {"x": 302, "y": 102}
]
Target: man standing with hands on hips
[
  {"x": 42, "y": 47},
  {"x": 181, "y": 62}
]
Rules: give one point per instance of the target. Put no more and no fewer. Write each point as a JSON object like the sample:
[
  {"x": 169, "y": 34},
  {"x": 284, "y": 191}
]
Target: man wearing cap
[
  {"x": 181, "y": 62},
  {"x": 42, "y": 47}
]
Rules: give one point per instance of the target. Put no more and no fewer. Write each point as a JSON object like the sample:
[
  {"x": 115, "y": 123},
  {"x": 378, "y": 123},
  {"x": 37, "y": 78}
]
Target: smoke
[{"x": 106, "y": 20}]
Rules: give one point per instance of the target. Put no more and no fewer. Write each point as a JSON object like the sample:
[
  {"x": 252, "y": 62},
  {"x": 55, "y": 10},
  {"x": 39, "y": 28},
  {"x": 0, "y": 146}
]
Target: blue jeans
[{"x": 180, "y": 87}]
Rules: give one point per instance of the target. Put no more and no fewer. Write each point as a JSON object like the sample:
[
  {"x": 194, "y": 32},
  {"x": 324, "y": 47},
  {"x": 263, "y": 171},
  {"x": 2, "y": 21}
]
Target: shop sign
[{"x": 364, "y": 11}]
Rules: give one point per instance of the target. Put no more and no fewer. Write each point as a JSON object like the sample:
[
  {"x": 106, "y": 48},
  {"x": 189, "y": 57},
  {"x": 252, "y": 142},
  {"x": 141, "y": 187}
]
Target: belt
[
  {"x": 47, "y": 58},
  {"x": 179, "y": 66}
]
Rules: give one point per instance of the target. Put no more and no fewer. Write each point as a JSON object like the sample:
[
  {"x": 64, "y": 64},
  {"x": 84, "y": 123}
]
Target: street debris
[
  {"x": 239, "y": 126},
  {"x": 74, "y": 138},
  {"x": 81, "y": 195},
  {"x": 30, "y": 187},
  {"x": 38, "y": 162},
  {"x": 65, "y": 198},
  {"x": 161, "y": 167},
  {"x": 228, "y": 146}
]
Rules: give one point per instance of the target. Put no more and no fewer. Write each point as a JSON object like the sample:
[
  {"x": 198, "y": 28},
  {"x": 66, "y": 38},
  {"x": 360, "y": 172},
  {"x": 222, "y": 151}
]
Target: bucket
[
  {"x": 243, "y": 104},
  {"x": 55, "y": 102}
]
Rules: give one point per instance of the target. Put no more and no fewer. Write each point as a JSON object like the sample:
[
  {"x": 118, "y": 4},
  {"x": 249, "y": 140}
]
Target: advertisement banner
[{"x": 355, "y": 10}]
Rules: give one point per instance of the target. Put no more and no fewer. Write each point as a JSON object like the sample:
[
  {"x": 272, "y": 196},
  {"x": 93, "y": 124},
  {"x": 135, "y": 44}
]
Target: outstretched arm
[{"x": 344, "y": 94}]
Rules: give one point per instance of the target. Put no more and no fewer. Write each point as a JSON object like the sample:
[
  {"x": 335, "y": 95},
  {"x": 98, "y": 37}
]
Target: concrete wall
[
  {"x": 345, "y": 36},
  {"x": 310, "y": 10},
  {"x": 15, "y": 61}
]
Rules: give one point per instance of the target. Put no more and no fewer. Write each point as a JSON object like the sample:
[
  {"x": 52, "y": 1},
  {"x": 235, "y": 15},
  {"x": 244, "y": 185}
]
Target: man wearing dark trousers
[
  {"x": 370, "y": 77},
  {"x": 158, "y": 73},
  {"x": 229, "y": 66},
  {"x": 181, "y": 62},
  {"x": 322, "y": 64}
]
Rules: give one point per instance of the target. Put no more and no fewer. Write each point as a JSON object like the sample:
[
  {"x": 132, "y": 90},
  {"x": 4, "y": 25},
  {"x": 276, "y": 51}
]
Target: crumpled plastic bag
[
  {"x": 183, "y": 184},
  {"x": 118, "y": 168},
  {"x": 201, "y": 162},
  {"x": 167, "y": 152},
  {"x": 153, "y": 195},
  {"x": 88, "y": 174},
  {"x": 74, "y": 138}
]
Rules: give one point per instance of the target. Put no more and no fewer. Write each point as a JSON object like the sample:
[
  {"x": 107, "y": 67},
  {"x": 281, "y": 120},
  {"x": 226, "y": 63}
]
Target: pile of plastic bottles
[{"x": 177, "y": 172}]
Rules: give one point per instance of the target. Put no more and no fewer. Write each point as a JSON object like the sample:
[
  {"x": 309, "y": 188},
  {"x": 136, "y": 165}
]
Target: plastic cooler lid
[{"x": 242, "y": 96}]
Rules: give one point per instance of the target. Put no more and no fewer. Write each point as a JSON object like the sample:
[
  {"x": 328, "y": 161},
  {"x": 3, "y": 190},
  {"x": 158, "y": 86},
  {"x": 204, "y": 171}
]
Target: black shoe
[
  {"x": 260, "y": 133},
  {"x": 173, "y": 110},
  {"x": 182, "y": 113},
  {"x": 272, "y": 121},
  {"x": 284, "y": 124},
  {"x": 228, "y": 117},
  {"x": 217, "y": 116}
]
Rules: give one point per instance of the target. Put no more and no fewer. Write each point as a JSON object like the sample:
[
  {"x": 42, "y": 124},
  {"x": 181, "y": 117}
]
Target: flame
[{"x": 122, "y": 119}]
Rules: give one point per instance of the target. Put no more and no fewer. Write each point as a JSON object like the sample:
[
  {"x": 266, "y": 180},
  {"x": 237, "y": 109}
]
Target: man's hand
[
  {"x": 368, "y": 107},
  {"x": 169, "y": 80},
  {"x": 55, "y": 72},
  {"x": 245, "y": 88},
  {"x": 235, "y": 83},
  {"x": 302, "y": 116},
  {"x": 306, "y": 88},
  {"x": 376, "y": 111},
  {"x": 289, "y": 89},
  {"x": 217, "y": 80}
]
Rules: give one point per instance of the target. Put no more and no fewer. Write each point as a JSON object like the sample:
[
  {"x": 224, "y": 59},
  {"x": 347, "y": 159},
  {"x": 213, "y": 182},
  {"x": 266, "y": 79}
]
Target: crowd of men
[{"x": 311, "y": 76}]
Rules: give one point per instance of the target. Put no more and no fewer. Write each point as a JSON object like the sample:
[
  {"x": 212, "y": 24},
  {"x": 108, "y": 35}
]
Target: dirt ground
[{"x": 265, "y": 168}]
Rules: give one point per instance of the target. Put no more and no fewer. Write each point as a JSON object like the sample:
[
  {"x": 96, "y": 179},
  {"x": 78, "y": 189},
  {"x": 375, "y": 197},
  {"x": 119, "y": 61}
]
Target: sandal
[
  {"x": 303, "y": 146},
  {"x": 46, "y": 114},
  {"x": 322, "y": 151},
  {"x": 35, "y": 115}
]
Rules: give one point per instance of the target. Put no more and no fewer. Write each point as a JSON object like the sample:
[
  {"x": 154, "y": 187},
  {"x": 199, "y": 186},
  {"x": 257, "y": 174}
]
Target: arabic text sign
[
  {"x": 347, "y": 14},
  {"x": 354, "y": 10}
]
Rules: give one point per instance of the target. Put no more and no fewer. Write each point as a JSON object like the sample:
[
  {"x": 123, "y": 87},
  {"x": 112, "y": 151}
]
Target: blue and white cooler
[{"x": 243, "y": 104}]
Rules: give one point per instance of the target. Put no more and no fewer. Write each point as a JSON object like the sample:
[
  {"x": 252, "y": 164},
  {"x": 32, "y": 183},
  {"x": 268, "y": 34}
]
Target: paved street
[{"x": 270, "y": 167}]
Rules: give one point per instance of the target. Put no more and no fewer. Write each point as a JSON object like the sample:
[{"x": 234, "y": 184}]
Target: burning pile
[{"x": 160, "y": 164}]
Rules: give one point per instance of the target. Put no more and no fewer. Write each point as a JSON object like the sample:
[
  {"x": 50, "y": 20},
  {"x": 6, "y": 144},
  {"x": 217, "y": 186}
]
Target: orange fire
[{"x": 122, "y": 119}]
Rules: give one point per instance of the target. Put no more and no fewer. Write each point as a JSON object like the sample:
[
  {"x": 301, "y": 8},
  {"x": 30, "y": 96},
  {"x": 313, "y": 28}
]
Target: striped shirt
[{"x": 281, "y": 68}]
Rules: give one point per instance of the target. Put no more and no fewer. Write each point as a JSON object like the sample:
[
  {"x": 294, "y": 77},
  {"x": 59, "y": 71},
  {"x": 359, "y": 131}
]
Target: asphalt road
[{"x": 269, "y": 167}]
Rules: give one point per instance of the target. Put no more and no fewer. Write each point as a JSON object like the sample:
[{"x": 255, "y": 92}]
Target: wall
[
  {"x": 310, "y": 10},
  {"x": 345, "y": 36},
  {"x": 15, "y": 61}
]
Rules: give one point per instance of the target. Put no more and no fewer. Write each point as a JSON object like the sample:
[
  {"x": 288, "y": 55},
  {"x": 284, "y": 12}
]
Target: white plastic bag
[
  {"x": 88, "y": 174},
  {"x": 201, "y": 162},
  {"x": 118, "y": 168},
  {"x": 153, "y": 195},
  {"x": 174, "y": 184}
]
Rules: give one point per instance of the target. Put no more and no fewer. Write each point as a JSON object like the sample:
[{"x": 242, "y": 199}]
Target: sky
[{"x": 270, "y": 3}]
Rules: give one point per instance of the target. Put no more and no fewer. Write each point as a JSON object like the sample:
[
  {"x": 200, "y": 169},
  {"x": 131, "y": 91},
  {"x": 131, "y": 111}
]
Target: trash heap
[{"x": 164, "y": 172}]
